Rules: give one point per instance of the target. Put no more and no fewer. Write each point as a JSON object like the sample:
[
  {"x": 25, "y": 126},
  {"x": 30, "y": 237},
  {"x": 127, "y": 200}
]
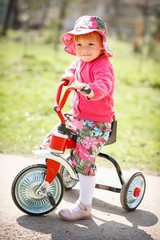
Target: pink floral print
[
  {"x": 91, "y": 138},
  {"x": 90, "y": 142},
  {"x": 84, "y": 25}
]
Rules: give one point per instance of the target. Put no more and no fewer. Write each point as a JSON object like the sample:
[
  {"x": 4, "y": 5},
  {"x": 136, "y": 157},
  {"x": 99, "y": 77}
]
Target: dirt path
[{"x": 109, "y": 221}]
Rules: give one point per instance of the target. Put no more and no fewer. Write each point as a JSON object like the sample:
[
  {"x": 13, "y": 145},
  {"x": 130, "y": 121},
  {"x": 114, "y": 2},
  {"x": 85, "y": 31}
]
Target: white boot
[
  {"x": 82, "y": 208},
  {"x": 70, "y": 215}
]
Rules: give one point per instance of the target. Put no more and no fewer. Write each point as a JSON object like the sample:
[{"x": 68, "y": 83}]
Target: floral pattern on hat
[{"x": 84, "y": 25}]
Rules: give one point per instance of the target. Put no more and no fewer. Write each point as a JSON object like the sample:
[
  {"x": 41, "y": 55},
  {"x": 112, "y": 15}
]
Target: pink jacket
[{"x": 99, "y": 74}]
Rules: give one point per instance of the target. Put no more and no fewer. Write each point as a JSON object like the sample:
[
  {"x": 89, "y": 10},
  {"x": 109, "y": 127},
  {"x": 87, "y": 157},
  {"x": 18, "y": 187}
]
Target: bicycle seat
[{"x": 113, "y": 133}]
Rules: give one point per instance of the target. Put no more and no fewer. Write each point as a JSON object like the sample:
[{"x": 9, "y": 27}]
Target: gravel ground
[{"x": 109, "y": 220}]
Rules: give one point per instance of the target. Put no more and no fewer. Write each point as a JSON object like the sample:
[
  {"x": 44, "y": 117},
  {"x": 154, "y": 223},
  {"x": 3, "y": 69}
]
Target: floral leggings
[{"x": 91, "y": 138}]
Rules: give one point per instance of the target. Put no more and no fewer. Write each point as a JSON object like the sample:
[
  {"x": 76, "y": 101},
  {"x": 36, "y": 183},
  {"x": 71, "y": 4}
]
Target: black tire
[
  {"x": 133, "y": 191},
  {"x": 24, "y": 187},
  {"x": 68, "y": 182}
]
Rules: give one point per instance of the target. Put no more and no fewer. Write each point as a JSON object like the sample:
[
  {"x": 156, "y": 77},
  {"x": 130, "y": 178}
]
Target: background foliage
[{"x": 29, "y": 75}]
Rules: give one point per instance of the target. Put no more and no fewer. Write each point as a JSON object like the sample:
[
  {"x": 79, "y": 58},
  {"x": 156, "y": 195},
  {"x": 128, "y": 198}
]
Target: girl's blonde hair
[{"x": 87, "y": 36}]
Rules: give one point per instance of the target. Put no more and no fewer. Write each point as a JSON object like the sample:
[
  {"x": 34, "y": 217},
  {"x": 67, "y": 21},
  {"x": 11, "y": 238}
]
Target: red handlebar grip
[{"x": 60, "y": 104}]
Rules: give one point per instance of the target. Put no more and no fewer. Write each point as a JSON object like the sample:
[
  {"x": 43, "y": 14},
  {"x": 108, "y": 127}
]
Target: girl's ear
[
  {"x": 102, "y": 50},
  {"x": 102, "y": 47}
]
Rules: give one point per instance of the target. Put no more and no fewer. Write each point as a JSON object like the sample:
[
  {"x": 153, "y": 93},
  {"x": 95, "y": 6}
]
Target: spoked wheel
[
  {"x": 132, "y": 192},
  {"x": 68, "y": 182},
  {"x": 24, "y": 189}
]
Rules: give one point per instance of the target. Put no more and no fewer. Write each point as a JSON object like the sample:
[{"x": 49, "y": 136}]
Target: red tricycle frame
[{"x": 38, "y": 189}]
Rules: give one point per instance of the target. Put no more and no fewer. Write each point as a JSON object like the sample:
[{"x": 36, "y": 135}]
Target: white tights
[{"x": 87, "y": 185}]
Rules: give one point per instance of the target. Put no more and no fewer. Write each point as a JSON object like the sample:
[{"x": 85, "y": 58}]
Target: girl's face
[{"x": 88, "y": 49}]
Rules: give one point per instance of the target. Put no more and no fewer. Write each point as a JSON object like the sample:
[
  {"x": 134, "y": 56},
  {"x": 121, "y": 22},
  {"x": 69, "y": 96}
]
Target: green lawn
[{"x": 27, "y": 92}]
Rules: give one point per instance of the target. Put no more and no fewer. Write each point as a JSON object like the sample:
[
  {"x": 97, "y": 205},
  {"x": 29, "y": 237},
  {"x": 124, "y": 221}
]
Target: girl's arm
[
  {"x": 103, "y": 82},
  {"x": 69, "y": 73}
]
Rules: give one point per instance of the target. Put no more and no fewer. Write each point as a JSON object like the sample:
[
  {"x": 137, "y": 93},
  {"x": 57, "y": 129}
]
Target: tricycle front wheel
[
  {"x": 24, "y": 188},
  {"x": 132, "y": 192}
]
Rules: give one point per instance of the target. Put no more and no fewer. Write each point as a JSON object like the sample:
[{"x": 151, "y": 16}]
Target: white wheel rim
[
  {"x": 133, "y": 201},
  {"x": 25, "y": 191}
]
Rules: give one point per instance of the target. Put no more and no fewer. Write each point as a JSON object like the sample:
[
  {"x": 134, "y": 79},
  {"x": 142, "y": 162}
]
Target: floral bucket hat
[{"x": 84, "y": 25}]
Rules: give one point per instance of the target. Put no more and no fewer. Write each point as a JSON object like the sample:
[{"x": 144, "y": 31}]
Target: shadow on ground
[{"x": 100, "y": 227}]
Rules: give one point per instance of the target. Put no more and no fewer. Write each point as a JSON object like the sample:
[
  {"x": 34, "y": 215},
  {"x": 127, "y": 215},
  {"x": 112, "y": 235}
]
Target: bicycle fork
[{"x": 53, "y": 164}]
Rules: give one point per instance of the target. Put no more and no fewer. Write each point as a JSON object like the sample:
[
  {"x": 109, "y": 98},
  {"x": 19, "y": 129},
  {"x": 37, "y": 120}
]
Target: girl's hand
[
  {"x": 69, "y": 77},
  {"x": 79, "y": 86}
]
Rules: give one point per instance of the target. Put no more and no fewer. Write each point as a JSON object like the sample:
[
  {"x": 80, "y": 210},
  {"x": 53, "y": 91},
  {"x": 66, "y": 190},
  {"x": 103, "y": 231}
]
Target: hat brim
[{"x": 70, "y": 46}]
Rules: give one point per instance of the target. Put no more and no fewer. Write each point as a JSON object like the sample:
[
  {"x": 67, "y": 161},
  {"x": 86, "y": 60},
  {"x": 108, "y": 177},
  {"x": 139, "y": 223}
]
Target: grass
[{"x": 29, "y": 77}]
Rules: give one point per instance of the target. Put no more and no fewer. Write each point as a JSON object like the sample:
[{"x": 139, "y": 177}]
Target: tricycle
[{"x": 38, "y": 189}]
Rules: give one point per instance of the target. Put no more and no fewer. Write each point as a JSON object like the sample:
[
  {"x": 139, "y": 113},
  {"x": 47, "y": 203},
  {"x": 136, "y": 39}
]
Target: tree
[{"x": 12, "y": 8}]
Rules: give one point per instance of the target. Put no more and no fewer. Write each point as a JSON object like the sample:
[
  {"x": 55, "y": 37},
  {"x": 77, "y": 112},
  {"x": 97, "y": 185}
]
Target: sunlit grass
[{"x": 28, "y": 83}]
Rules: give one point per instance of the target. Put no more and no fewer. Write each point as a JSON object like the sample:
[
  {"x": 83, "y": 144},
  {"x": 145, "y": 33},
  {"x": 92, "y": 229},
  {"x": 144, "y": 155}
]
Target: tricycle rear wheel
[
  {"x": 68, "y": 182},
  {"x": 132, "y": 191}
]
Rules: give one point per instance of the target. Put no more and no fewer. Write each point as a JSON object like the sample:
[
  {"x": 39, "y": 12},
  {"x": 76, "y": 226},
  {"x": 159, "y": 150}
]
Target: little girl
[{"x": 92, "y": 112}]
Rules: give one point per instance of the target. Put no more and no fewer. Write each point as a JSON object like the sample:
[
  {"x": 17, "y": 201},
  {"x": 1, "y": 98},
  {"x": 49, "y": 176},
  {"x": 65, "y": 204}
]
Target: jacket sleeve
[
  {"x": 71, "y": 70},
  {"x": 103, "y": 82}
]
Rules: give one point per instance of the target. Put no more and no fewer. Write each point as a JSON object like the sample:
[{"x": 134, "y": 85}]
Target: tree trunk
[
  {"x": 62, "y": 15},
  {"x": 7, "y": 16}
]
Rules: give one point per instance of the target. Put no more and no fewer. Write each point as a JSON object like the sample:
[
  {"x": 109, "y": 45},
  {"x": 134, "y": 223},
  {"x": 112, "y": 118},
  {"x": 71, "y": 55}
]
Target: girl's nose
[{"x": 84, "y": 48}]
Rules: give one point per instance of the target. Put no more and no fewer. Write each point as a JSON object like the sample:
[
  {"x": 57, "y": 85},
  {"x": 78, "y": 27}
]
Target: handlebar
[
  {"x": 85, "y": 90},
  {"x": 60, "y": 104}
]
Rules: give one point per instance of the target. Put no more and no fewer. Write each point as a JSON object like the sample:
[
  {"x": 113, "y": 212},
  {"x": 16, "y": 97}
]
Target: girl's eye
[
  {"x": 90, "y": 44},
  {"x": 78, "y": 44}
]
